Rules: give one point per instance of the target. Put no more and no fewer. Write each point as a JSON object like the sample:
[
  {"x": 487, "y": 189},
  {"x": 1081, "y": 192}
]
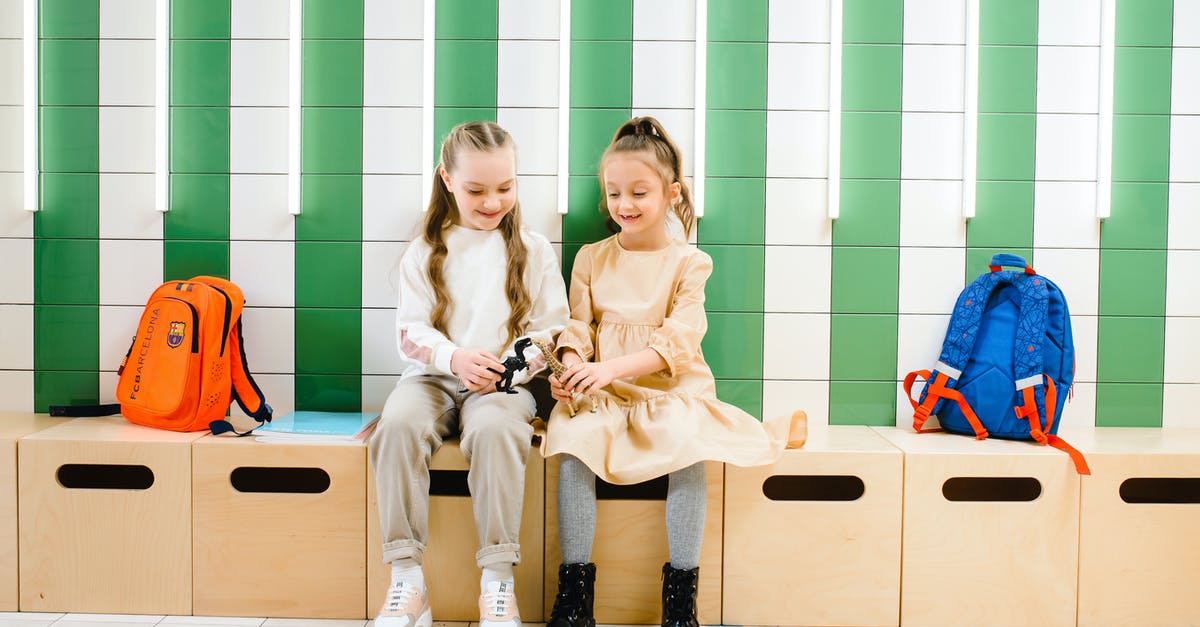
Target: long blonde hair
[
  {"x": 443, "y": 211},
  {"x": 646, "y": 138}
]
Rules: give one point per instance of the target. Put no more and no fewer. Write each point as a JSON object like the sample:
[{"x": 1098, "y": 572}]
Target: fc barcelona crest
[{"x": 175, "y": 335}]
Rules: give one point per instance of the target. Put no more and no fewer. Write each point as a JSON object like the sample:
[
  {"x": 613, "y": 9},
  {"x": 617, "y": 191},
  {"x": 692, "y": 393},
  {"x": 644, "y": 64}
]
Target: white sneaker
[
  {"x": 406, "y": 605},
  {"x": 498, "y": 606}
]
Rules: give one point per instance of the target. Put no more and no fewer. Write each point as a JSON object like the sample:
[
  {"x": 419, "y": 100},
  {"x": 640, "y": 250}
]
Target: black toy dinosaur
[{"x": 512, "y": 365}]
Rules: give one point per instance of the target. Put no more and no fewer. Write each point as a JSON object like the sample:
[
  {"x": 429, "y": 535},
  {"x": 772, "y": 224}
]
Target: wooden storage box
[
  {"x": 13, "y": 426},
  {"x": 631, "y": 547},
  {"x": 279, "y": 528},
  {"x": 991, "y": 531},
  {"x": 449, "y": 564},
  {"x": 815, "y": 538},
  {"x": 106, "y": 518}
]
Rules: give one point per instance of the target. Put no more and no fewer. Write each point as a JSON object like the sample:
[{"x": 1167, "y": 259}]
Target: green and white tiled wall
[{"x": 804, "y": 312}]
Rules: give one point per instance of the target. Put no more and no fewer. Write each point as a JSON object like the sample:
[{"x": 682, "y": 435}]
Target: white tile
[
  {"x": 31, "y": 616},
  {"x": 211, "y": 621},
  {"x": 797, "y": 144},
  {"x": 931, "y": 279},
  {"x": 919, "y": 344},
  {"x": 12, "y": 72},
  {"x": 16, "y": 394},
  {"x": 127, "y": 72},
  {"x": 664, "y": 20},
  {"x": 1068, "y": 79},
  {"x": 680, "y": 124},
  {"x": 1185, "y": 150},
  {"x": 654, "y": 87},
  {"x": 1180, "y": 364},
  {"x": 113, "y": 618},
  {"x": 270, "y": 339},
  {"x": 1069, "y": 22},
  {"x": 528, "y": 19},
  {"x": 392, "y": 206},
  {"x": 375, "y": 390},
  {"x": 379, "y": 354},
  {"x": 797, "y": 279},
  {"x": 933, "y": 78},
  {"x": 796, "y": 346},
  {"x": 279, "y": 390},
  {"x": 798, "y": 212},
  {"x": 258, "y": 140},
  {"x": 931, "y": 147},
  {"x": 11, "y": 18},
  {"x": 1179, "y": 403},
  {"x": 14, "y": 220},
  {"x": 380, "y": 273},
  {"x": 129, "y": 270},
  {"x": 1066, "y": 147},
  {"x": 934, "y": 22},
  {"x": 1185, "y": 92},
  {"x": 1076, "y": 271},
  {"x": 127, "y": 207},
  {"x": 12, "y": 124},
  {"x": 1085, "y": 335},
  {"x": 798, "y": 76},
  {"x": 1080, "y": 408},
  {"x": 304, "y": 622},
  {"x": 127, "y": 19},
  {"x": 931, "y": 214},
  {"x": 265, "y": 271},
  {"x": 16, "y": 257},
  {"x": 392, "y": 73},
  {"x": 393, "y": 19},
  {"x": 258, "y": 19},
  {"x": 258, "y": 73},
  {"x": 535, "y": 132},
  {"x": 539, "y": 205},
  {"x": 781, "y": 398},
  {"x": 258, "y": 207},
  {"x": 16, "y": 337},
  {"x": 1183, "y": 228},
  {"x": 127, "y": 139},
  {"x": 798, "y": 21},
  {"x": 1183, "y": 299},
  {"x": 391, "y": 141},
  {"x": 1064, "y": 215},
  {"x": 1187, "y": 24},
  {"x": 118, "y": 326}
]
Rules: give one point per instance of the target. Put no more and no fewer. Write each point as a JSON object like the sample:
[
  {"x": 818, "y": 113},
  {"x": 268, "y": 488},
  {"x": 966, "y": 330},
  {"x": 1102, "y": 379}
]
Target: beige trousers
[{"x": 495, "y": 439}]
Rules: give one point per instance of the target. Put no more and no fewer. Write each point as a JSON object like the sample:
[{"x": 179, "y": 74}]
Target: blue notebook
[{"x": 319, "y": 425}]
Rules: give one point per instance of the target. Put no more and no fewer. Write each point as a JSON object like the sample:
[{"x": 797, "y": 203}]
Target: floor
[{"x": 31, "y": 619}]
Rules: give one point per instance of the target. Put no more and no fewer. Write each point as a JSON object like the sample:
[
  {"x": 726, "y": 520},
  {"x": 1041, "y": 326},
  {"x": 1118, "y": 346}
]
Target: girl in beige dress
[{"x": 633, "y": 341}]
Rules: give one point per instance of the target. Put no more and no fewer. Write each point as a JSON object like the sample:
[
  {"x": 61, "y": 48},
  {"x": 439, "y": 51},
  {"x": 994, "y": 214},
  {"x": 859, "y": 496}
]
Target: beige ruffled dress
[{"x": 623, "y": 301}]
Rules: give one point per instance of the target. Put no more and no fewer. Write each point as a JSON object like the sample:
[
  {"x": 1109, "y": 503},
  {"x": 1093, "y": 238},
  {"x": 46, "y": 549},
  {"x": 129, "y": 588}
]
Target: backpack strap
[{"x": 245, "y": 391}]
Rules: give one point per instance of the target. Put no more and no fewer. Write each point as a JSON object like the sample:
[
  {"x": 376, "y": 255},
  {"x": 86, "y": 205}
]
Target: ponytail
[{"x": 647, "y": 136}]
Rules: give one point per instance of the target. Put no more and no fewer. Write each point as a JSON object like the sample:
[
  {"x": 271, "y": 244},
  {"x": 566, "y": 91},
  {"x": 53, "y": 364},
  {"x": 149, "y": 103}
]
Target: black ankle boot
[
  {"x": 679, "y": 596},
  {"x": 576, "y": 591}
]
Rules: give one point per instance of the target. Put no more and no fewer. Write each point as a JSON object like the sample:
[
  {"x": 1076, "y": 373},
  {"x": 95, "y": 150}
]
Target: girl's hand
[
  {"x": 471, "y": 365},
  {"x": 557, "y": 391},
  {"x": 587, "y": 377}
]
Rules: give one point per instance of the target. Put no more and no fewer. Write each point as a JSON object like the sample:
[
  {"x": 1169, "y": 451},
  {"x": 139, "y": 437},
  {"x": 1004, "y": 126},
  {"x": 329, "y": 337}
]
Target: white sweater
[{"x": 474, "y": 273}]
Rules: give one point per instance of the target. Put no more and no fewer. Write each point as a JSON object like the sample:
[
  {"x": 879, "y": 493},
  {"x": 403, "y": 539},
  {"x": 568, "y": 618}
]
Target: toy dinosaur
[
  {"x": 512, "y": 365},
  {"x": 558, "y": 368}
]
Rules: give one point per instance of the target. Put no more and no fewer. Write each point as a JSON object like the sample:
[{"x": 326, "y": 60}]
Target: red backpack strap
[
  {"x": 245, "y": 391},
  {"x": 1029, "y": 411},
  {"x": 933, "y": 391}
]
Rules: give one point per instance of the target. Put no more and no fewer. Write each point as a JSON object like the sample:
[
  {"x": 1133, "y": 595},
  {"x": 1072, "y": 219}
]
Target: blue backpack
[{"x": 1007, "y": 363}]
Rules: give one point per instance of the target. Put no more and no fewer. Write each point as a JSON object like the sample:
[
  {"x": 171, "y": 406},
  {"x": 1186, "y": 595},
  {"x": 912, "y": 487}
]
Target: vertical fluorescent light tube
[
  {"x": 700, "y": 135},
  {"x": 564, "y": 104},
  {"x": 1108, "y": 39},
  {"x": 295, "y": 92},
  {"x": 971, "y": 111},
  {"x": 427, "y": 53},
  {"x": 162, "y": 111},
  {"x": 30, "y": 109},
  {"x": 835, "y": 110}
]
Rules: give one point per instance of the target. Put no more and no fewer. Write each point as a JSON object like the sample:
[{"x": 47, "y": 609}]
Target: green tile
[
  {"x": 733, "y": 345},
  {"x": 199, "y": 207},
  {"x": 184, "y": 259},
  {"x": 1133, "y": 282},
  {"x": 737, "y": 20},
  {"x": 584, "y": 222},
  {"x": 1129, "y": 404},
  {"x": 570, "y": 251},
  {"x": 737, "y": 75},
  {"x": 66, "y": 337},
  {"x": 64, "y": 388},
  {"x": 865, "y": 280},
  {"x": 608, "y": 20},
  {"x": 465, "y": 75},
  {"x": 871, "y": 78},
  {"x": 869, "y": 215},
  {"x": 1006, "y": 147},
  {"x": 1142, "y": 79},
  {"x": 746, "y": 395},
  {"x": 329, "y": 274},
  {"x": 1003, "y": 214},
  {"x": 467, "y": 19},
  {"x": 1141, "y": 148},
  {"x": 873, "y": 21},
  {"x": 1145, "y": 22},
  {"x": 333, "y": 73},
  {"x": 328, "y": 341},
  {"x": 332, "y": 141},
  {"x": 862, "y": 347},
  {"x": 70, "y": 18},
  {"x": 601, "y": 74},
  {"x": 66, "y": 272},
  {"x": 200, "y": 19},
  {"x": 736, "y": 143},
  {"x": 328, "y": 392},
  {"x": 1011, "y": 22},
  {"x": 70, "y": 72},
  {"x": 1130, "y": 350},
  {"x": 331, "y": 207},
  {"x": 735, "y": 211},
  {"x": 1139, "y": 217},
  {"x": 446, "y": 118},
  {"x": 70, "y": 206},
  {"x": 591, "y": 132},
  {"x": 70, "y": 139},
  {"x": 736, "y": 283},
  {"x": 200, "y": 139},
  {"x": 200, "y": 73},
  {"x": 334, "y": 19},
  {"x": 870, "y": 145},
  {"x": 1007, "y": 79},
  {"x": 978, "y": 259},
  {"x": 862, "y": 403}
]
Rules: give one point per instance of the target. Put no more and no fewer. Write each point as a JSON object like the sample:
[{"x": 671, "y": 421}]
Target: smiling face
[
  {"x": 638, "y": 201},
  {"x": 484, "y": 185}
]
